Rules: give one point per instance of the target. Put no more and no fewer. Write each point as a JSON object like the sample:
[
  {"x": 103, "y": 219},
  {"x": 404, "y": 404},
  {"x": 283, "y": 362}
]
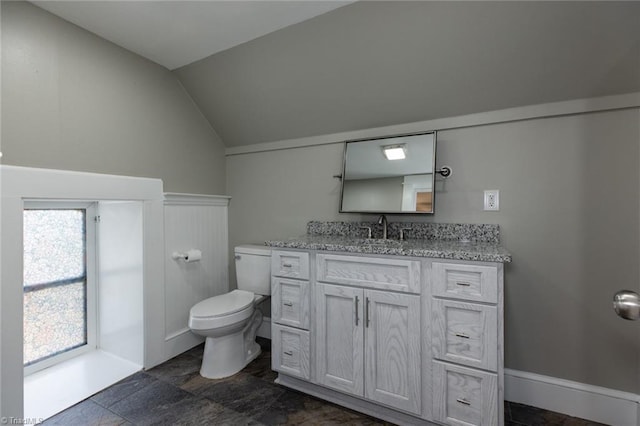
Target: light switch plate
[{"x": 492, "y": 200}]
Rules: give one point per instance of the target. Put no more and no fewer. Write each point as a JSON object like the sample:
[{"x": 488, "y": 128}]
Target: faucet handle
[
  {"x": 368, "y": 228},
  {"x": 402, "y": 231}
]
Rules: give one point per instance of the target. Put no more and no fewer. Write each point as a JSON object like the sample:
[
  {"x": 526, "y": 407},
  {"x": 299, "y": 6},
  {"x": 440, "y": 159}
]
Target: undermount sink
[{"x": 380, "y": 242}]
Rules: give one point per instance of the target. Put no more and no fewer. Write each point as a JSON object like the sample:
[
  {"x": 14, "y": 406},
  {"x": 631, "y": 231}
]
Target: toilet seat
[
  {"x": 222, "y": 310},
  {"x": 224, "y": 304}
]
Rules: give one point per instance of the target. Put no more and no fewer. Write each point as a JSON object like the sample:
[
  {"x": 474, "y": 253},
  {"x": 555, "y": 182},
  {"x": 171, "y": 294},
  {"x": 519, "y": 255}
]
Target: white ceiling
[{"x": 177, "y": 33}]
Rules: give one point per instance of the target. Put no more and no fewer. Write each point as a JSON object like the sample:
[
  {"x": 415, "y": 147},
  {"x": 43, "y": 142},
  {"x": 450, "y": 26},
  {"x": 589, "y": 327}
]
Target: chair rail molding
[{"x": 176, "y": 199}]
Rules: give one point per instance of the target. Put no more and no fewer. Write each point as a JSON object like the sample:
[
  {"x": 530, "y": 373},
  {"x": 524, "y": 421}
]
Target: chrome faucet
[{"x": 382, "y": 220}]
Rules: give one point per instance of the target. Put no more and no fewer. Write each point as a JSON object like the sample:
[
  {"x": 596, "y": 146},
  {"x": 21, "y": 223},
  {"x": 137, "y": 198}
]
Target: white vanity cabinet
[
  {"x": 409, "y": 340},
  {"x": 368, "y": 344}
]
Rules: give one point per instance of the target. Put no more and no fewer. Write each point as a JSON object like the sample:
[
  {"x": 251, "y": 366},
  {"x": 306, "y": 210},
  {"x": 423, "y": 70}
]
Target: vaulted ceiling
[
  {"x": 378, "y": 63},
  {"x": 174, "y": 33},
  {"x": 373, "y": 64}
]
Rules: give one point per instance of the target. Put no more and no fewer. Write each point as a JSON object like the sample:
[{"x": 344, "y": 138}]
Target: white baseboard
[
  {"x": 575, "y": 399},
  {"x": 179, "y": 342},
  {"x": 265, "y": 328},
  {"x": 183, "y": 340}
]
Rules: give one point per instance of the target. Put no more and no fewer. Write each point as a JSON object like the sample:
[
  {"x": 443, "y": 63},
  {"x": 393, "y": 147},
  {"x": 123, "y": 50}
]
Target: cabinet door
[
  {"x": 392, "y": 336},
  {"x": 339, "y": 344}
]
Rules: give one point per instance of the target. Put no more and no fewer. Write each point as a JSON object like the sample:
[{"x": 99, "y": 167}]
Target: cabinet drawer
[
  {"x": 468, "y": 282},
  {"x": 290, "y": 302},
  {"x": 290, "y": 264},
  {"x": 462, "y": 396},
  {"x": 290, "y": 351},
  {"x": 372, "y": 272},
  {"x": 465, "y": 333}
]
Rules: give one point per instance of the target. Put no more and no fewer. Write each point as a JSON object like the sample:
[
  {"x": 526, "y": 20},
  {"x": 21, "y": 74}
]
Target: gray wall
[
  {"x": 379, "y": 63},
  {"x": 73, "y": 101},
  {"x": 569, "y": 213}
]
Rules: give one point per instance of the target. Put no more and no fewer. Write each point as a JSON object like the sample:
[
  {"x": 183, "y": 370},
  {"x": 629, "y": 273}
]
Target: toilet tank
[{"x": 253, "y": 268}]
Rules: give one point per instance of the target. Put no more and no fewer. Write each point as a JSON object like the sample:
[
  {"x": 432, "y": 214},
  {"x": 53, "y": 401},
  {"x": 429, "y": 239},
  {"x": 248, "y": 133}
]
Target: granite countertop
[{"x": 443, "y": 249}]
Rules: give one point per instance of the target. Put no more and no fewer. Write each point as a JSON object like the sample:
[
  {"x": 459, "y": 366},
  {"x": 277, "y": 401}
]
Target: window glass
[{"x": 55, "y": 282}]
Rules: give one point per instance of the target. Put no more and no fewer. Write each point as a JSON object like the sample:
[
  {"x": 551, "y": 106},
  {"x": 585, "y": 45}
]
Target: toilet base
[
  {"x": 226, "y": 355},
  {"x": 253, "y": 353}
]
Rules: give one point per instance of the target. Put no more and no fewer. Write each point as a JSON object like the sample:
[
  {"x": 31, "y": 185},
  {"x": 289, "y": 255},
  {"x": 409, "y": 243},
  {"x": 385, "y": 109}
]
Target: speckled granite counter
[{"x": 478, "y": 251}]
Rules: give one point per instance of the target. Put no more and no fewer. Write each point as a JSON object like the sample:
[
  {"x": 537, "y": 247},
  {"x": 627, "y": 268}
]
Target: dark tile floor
[{"x": 174, "y": 393}]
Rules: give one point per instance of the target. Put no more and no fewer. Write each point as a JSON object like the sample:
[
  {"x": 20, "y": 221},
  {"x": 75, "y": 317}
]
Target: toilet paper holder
[{"x": 188, "y": 256}]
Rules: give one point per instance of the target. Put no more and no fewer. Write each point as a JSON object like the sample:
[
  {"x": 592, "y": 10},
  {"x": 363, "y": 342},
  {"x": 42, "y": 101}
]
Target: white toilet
[{"x": 230, "y": 321}]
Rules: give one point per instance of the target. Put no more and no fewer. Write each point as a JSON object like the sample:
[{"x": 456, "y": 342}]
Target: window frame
[{"x": 91, "y": 244}]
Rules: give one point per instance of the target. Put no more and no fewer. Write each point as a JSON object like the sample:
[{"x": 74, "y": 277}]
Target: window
[{"x": 59, "y": 289}]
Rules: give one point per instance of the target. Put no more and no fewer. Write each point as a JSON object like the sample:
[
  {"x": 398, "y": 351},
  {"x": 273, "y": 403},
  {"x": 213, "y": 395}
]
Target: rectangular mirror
[{"x": 389, "y": 175}]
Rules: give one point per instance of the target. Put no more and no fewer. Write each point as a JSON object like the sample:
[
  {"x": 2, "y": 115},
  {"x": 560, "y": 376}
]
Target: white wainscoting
[
  {"x": 590, "y": 402},
  {"x": 192, "y": 221}
]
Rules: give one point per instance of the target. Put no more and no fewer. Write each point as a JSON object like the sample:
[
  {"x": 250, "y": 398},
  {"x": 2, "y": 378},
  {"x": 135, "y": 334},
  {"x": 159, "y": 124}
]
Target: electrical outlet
[{"x": 492, "y": 200}]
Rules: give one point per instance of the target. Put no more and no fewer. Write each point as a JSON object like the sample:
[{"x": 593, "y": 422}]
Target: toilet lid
[
  {"x": 253, "y": 249},
  {"x": 225, "y": 304}
]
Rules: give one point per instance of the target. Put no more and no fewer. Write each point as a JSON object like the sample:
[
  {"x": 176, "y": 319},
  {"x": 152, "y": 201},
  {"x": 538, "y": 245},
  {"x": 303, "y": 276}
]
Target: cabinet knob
[
  {"x": 287, "y": 265},
  {"x": 288, "y": 353},
  {"x": 287, "y": 303}
]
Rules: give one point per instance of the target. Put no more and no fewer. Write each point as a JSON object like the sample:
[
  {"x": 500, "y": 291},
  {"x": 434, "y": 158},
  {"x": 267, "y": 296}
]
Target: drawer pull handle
[
  {"x": 287, "y": 265},
  {"x": 463, "y": 401},
  {"x": 287, "y": 303},
  {"x": 366, "y": 313},
  {"x": 462, "y": 335},
  {"x": 463, "y": 283},
  {"x": 288, "y": 353}
]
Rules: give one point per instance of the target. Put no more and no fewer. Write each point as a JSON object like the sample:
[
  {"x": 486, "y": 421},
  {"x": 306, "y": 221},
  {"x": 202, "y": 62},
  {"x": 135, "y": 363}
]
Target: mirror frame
[{"x": 433, "y": 166}]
